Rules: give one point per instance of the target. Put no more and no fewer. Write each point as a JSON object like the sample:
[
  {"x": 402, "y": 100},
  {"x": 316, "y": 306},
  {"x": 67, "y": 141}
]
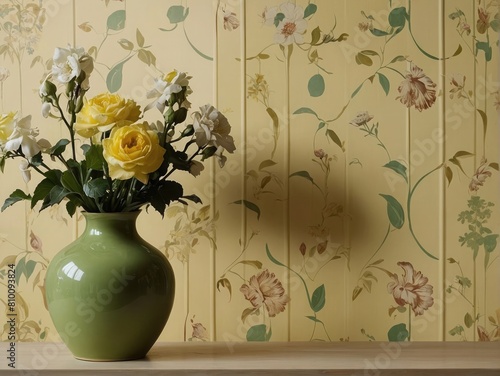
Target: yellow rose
[
  {"x": 7, "y": 122},
  {"x": 133, "y": 151},
  {"x": 101, "y": 113}
]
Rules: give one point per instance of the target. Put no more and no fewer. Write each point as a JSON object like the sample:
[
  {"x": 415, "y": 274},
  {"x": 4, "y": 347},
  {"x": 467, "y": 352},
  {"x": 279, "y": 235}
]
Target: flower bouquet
[
  {"x": 125, "y": 163},
  {"x": 99, "y": 287}
]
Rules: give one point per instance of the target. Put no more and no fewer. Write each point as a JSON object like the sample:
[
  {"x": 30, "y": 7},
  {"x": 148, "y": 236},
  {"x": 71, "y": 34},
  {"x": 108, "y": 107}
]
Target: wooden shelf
[{"x": 275, "y": 358}]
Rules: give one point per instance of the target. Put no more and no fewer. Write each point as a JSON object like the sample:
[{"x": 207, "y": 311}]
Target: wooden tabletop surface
[{"x": 275, "y": 358}]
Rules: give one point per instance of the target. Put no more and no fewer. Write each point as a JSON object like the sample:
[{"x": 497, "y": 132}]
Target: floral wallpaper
[{"x": 362, "y": 200}]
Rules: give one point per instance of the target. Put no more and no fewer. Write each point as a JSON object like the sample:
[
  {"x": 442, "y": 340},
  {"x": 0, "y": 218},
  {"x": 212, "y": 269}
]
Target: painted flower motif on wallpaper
[
  {"x": 479, "y": 177},
  {"x": 265, "y": 290},
  {"x": 497, "y": 100},
  {"x": 231, "y": 21},
  {"x": 191, "y": 226},
  {"x": 411, "y": 288},
  {"x": 362, "y": 118},
  {"x": 23, "y": 24},
  {"x": 199, "y": 332},
  {"x": 417, "y": 89},
  {"x": 457, "y": 83},
  {"x": 291, "y": 25}
]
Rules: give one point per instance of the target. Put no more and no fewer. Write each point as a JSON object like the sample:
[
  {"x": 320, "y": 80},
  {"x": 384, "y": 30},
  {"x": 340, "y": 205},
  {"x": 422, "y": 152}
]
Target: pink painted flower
[
  {"x": 411, "y": 288},
  {"x": 361, "y": 118},
  {"x": 35, "y": 242},
  {"x": 483, "y": 334},
  {"x": 320, "y": 153},
  {"x": 483, "y": 20},
  {"x": 479, "y": 176},
  {"x": 231, "y": 22},
  {"x": 199, "y": 331},
  {"x": 265, "y": 289},
  {"x": 417, "y": 89},
  {"x": 365, "y": 26}
]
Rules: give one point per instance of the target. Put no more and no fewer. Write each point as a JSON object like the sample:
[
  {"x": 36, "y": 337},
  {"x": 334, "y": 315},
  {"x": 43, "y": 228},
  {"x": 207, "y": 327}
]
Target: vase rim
[{"x": 111, "y": 214}]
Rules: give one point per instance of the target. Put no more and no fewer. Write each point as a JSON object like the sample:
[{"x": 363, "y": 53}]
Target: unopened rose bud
[
  {"x": 47, "y": 89},
  {"x": 208, "y": 152},
  {"x": 188, "y": 131}
]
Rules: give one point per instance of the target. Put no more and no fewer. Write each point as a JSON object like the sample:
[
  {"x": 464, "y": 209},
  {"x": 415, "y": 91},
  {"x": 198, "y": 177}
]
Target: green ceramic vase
[{"x": 110, "y": 293}]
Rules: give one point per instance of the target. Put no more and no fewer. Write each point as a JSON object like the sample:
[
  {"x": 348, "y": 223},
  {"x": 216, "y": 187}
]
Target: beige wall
[{"x": 327, "y": 205}]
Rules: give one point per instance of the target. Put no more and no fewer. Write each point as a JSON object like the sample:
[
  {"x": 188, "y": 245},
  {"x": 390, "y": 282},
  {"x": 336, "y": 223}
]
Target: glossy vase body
[{"x": 110, "y": 293}]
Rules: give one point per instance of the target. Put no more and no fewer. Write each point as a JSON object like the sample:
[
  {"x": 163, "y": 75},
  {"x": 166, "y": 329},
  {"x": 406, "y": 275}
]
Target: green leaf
[
  {"x": 255, "y": 263},
  {"x": 116, "y": 20},
  {"x": 333, "y": 136},
  {"x": 17, "y": 195},
  {"x": 398, "y": 333},
  {"x": 115, "y": 78},
  {"x": 395, "y": 211},
  {"x": 398, "y": 17},
  {"x": 257, "y": 333},
  {"x": 468, "y": 320},
  {"x": 490, "y": 242},
  {"x": 362, "y": 59},
  {"x": 224, "y": 282},
  {"x": 177, "y": 13},
  {"x": 20, "y": 269},
  {"x": 398, "y": 58},
  {"x": 457, "y": 330},
  {"x": 314, "y": 319},
  {"x": 355, "y": 293},
  {"x": 305, "y": 110},
  {"x": 310, "y": 10},
  {"x": 318, "y": 299},
  {"x": 247, "y": 312},
  {"x": 486, "y": 48},
  {"x": 126, "y": 44},
  {"x": 398, "y": 168},
  {"x": 193, "y": 198},
  {"x": 484, "y": 118},
  {"x": 30, "y": 267},
  {"x": 42, "y": 190},
  {"x": 95, "y": 188},
  {"x": 167, "y": 192},
  {"x": 449, "y": 174},
  {"x": 139, "y": 37},
  {"x": 58, "y": 148},
  {"x": 316, "y": 85},
  {"x": 278, "y": 18},
  {"x": 379, "y": 33},
  {"x": 249, "y": 205},
  {"x": 70, "y": 182},
  {"x": 305, "y": 175},
  {"x": 315, "y": 35},
  {"x": 94, "y": 157},
  {"x": 266, "y": 163},
  {"x": 147, "y": 57},
  {"x": 384, "y": 82},
  {"x": 357, "y": 90},
  {"x": 276, "y": 123}
]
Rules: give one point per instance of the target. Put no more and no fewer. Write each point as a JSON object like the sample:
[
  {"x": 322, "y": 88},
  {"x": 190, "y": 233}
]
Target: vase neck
[{"x": 122, "y": 223}]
